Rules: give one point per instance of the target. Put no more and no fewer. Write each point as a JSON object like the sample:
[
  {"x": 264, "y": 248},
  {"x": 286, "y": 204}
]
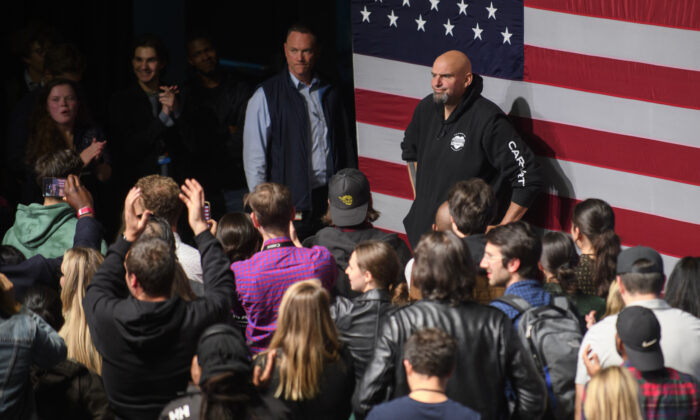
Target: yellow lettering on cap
[{"x": 346, "y": 199}]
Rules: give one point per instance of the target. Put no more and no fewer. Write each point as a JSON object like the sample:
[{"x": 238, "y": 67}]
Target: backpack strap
[
  {"x": 520, "y": 304},
  {"x": 561, "y": 302}
]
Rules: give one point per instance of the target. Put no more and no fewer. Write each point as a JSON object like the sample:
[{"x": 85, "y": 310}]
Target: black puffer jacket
[
  {"x": 358, "y": 321},
  {"x": 489, "y": 354},
  {"x": 70, "y": 391}
]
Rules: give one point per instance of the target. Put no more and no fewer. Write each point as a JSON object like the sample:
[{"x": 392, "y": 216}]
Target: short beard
[{"x": 441, "y": 98}]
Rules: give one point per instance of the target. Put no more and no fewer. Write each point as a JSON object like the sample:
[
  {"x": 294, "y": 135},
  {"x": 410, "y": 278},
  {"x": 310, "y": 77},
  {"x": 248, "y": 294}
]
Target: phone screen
[
  {"x": 207, "y": 211},
  {"x": 54, "y": 187}
]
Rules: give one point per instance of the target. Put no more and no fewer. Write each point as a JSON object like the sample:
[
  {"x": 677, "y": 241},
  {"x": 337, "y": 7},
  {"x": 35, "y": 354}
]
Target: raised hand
[
  {"x": 77, "y": 195},
  {"x": 168, "y": 99},
  {"x": 93, "y": 151},
  {"x": 591, "y": 361},
  {"x": 133, "y": 224},
  {"x": 193, "y": 196}
]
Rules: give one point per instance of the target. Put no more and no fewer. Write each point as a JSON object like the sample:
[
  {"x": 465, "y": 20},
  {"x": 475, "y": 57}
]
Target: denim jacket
[{"x": 25, "y": 339}]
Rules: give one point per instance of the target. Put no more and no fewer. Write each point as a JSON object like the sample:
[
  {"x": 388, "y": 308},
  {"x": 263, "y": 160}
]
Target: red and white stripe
[{"x": 611, "y": 93}]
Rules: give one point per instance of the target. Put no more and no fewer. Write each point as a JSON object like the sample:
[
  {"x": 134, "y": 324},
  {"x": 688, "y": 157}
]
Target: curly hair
[{"x": 161, "y": 195}]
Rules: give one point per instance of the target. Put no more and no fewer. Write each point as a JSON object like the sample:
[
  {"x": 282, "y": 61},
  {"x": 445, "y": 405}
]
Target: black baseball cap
[
  {"x": 349, "y": 196},
  {"x": 627, "y": 258},
  {"x": 221, "y": 348},
  {"x": 640, "y": 332}
]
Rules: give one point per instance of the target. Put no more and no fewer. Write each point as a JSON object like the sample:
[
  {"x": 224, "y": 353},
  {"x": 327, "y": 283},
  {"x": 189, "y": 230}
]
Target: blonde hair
[
  {"x": 81, "y": 264},
  {"x": 614, "y": 303},
  {"x": 612, "y": 395},
  {"x": 307, "y": 338}
]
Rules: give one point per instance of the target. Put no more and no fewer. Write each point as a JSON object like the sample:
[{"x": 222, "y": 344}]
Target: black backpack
[{"x": 552, "y": 333}]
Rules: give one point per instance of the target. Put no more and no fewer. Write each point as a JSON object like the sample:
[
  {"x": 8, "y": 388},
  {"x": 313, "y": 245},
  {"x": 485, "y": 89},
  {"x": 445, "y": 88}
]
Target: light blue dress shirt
[{"x": 256, "y": 133}]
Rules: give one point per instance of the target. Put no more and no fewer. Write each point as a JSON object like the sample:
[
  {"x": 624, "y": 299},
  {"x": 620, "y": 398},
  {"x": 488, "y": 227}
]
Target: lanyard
[{"x": 278, "y": 245}]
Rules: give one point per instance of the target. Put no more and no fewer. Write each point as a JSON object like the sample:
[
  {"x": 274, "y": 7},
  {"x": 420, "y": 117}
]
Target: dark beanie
[{"x": 222, "y": 349}]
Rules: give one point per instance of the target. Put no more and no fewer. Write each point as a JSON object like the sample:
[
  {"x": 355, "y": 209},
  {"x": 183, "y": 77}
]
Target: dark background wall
[{"x": 247, "y": 33}]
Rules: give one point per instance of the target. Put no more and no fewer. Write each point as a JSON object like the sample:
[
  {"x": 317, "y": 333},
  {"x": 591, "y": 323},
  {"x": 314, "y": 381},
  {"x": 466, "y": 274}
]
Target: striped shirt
[{"x": 262, "y": 280}]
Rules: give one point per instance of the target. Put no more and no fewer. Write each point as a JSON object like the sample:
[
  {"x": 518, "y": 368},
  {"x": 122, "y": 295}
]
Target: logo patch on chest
[{"x": 457, "y": 142}]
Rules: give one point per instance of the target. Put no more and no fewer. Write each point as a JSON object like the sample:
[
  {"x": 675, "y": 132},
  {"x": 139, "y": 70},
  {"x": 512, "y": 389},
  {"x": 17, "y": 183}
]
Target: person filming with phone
[{"x": 48, "y": 228}]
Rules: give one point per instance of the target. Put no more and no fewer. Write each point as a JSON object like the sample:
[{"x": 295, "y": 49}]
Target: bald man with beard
[{"x": 457, "y": 134}]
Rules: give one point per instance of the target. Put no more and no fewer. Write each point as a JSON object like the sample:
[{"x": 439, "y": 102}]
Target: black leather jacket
[
  {"x": 489, "y": 353},
  {"x": 358, "y": 322}
]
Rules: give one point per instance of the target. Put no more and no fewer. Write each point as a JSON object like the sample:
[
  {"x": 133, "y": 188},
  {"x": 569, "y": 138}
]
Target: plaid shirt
[
  {"x": 262, "y": 280},
  {"x": 672, "y": 395},
  {"x": 530, "y": 290}
]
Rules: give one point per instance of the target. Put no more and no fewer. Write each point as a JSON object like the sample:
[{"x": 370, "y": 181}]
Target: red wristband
[{"x": 85, "y": 210}]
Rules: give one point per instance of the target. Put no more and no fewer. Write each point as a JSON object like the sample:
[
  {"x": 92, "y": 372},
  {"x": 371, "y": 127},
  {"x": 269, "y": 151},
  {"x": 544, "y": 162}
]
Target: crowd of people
[{"x": 244, "y": 277}]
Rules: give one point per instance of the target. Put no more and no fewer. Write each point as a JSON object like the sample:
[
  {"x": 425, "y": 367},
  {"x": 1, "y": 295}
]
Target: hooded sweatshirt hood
[
  {"x": 472, "y": 94},
  {"x": 150, "y": 327},
  {"x": 45, "y": 230}
]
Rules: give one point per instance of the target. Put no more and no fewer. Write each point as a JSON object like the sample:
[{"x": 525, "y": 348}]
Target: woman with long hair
[
  {"x": 683, "y": 286},
  {"x": 612, "y": 394},
  {"x": 557, "y": 262},
  {"x": 593, "y": 231},
  {"x": 312, "y": 372},
  {"x": 59, "y": 122},
  {"x": 78, "y": 267},
  {"x": 237, "y": 235},
  {"x": 373, "y": 270}
]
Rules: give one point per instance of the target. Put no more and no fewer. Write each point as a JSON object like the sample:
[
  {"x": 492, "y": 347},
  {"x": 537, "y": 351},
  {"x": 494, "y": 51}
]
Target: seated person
[
  {"x": 429, "y": 359},
  {"x": 221, "y": 385},
  {"x": 48, "y": 228},
  {"x": 146, "y": 336},
  {"x": 350, "y": 216}
]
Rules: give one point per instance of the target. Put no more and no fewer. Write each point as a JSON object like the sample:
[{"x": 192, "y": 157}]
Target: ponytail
[
  {"x": 566, "y": 276},
  {"x": 559, "y": 257},
  {"x": 596, "y": 220},
  {"x": 607, "y": 247},
  {"x": 399, "y": 293}
]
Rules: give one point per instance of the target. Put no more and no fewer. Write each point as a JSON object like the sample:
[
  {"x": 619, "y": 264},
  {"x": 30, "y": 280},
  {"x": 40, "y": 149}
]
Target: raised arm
[
  {"x": 88, "y": 231},
  {"x": 108, "y": 287},
  {"x": 218, "y": 278}
]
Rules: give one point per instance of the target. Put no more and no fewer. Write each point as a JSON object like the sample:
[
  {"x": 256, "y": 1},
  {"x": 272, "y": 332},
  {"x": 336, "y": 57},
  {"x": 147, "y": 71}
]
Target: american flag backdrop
[{"x": 607, "y": 94}]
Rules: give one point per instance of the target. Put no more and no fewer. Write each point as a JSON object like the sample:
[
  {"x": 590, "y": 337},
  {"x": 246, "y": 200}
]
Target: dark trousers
[{"x": 310, "y": 222}]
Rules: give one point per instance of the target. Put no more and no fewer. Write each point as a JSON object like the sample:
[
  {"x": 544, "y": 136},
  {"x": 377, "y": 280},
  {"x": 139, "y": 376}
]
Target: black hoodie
[
  {"x": 476, "y": 141},
  {"x": 147, "y": 347}
]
